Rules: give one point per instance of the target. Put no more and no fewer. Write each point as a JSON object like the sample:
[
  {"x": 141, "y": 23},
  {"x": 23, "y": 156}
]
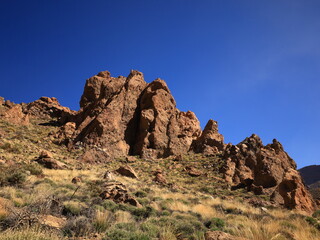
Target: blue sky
[{"x": 253, "y": 66}]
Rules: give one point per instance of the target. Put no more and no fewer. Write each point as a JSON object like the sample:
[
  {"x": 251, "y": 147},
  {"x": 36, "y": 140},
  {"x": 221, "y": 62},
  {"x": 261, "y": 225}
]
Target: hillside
[{"x": 130, "y": 165}]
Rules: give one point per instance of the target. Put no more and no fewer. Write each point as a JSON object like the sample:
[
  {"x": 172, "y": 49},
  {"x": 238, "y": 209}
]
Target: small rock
[
  {"x": 108, "y": 176},
  {"x": 76, "y": 180},
  {"x": 193, "y": 172},
  {"x": 127, "y": 171},
  {"x": 159, "y": 178},
  {"x": 131, "y": 159}
]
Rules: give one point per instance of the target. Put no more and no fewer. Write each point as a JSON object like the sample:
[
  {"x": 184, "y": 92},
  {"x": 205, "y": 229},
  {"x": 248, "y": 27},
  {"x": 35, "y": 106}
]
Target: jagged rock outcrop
[
  {"x": 266, "y": 170},
  {"x": 46, "y": 107},
  {"x": 127, "y": 116},
  {"x": 15, "y": 115},
  {"x": 210, "y": 142}
]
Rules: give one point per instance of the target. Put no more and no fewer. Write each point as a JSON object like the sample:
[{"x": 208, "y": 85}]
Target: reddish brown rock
[
  {"x": 127, "y": 116},
  {"x": 163, "y": 129},
  {"x": 46, "y": 160},
  {"x": 94, "y": 155},
  {"x": 265, "y": 169},
  {"x": 193, "y": 172},
  {"x": 159, "y": 177},
  {"x": 15, "y": 116},
  {"x": 65, "y": 134},
  {"x": 76, "y": 180},
  {"x": 127, "y": 171},
  {"x": 46, "y": 107},
  {"x": 210, "y": 142},
  {"x": 294, "y": 193},
  {"x": 109, "y": 117},
  {"x": 9, "y": 104},
  {"x": 1, "y": 100},
  {"x": 118, "y": 193}
]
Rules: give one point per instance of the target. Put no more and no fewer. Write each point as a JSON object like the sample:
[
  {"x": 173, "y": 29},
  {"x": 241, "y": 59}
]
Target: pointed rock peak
[
  {"x": 276, "y": 145},
  {"x": 135, "y": 79},
  {"x": 104, "y": 74},
  {"x": 159, "y": 84},
  {"x": 211, "y": 126},
  {"x": 254, "y": 141},
  {"x": 135, "y": 73}
]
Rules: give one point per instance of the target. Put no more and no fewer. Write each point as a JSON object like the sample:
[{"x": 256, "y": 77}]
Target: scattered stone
[
  {"x": 52, "y": 221},
  {"x": 46, "y": 160},
  {"x": 193, "y": 172},
  {"x": 131, "y": 159},
  {"x": 76, "y": 180},
  {"x": 108, "y": 176},
  {"x": 126, "y": 171},
  {"x": 118, "y": 193},
  {"x": 159, "y": 178}
]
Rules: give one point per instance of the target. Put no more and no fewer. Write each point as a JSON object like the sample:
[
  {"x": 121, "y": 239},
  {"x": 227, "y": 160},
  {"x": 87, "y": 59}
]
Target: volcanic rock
[
  {"x": 118, "y": 193},
  {"x": 108, "y": 117},
  {"x": 126, "y": 171},
  {"x": 266, "y": 169},
  {"x": 9, "y": 104},
  {"x": 127, "y": 116},
  {"x": 163, "y": 129},
  {"x": 1, "y": 100},
  {"x": 46, "y": 159},
  {"x": 15, "y": 116},
  {"x": 193, "y": 172},
  {"x": 210, "y": 142},
  {"x": 46, "y": 107}
]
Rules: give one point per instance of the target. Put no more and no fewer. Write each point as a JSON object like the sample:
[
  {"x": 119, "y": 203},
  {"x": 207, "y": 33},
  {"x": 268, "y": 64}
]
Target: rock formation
[
  {"x": 46, "y": 107},
  {"x": 266, "y": 170},
  {"x": 126, "y": 116}
]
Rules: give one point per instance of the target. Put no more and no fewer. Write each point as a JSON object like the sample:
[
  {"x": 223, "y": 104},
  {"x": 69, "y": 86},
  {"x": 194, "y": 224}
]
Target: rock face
[
  {"x": 266, "y": 170},
  {"x": 127, "y": 116}
]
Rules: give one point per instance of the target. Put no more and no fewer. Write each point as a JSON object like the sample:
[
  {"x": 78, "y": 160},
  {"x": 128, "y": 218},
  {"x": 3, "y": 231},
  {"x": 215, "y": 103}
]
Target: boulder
[
  {"x": 193, "y": 172},
  {"x": 126, "y": 171},
  {"x": 46, "y": 160},
  {"x": 118, "y": 193}
]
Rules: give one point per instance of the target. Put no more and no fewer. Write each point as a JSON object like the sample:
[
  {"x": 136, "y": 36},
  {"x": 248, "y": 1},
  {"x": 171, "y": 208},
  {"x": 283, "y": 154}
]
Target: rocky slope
[
  {"x": 311, "y": 176},
  {"x": 126, "y": 116}
]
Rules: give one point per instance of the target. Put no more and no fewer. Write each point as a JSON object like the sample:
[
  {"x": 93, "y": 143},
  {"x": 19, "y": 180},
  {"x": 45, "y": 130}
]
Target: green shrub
[
  {"x": 34, "y": 169},
  {"x": 215, "y": 224},
  {"x": 140, "y": 194},
  {"x": 78, "y": 227},
  {"x": 143, "y": 213},
  {"x": 72, "y": 208},
  {"x": 316, "y": 214}
]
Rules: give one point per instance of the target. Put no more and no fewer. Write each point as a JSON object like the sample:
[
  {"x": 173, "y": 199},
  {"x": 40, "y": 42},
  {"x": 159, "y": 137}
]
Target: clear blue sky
[{"x": 253, "y": 66}]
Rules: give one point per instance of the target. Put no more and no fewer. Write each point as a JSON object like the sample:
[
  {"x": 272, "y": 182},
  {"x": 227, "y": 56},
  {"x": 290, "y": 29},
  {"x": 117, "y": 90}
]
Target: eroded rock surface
[
  {"x": 266, "y": 170},
  {"x": 46, "y": 107}
]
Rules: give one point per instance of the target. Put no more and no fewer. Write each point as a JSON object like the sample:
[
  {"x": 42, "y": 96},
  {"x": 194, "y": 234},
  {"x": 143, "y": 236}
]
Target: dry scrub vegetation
[{"x": 38, "y": 203}]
